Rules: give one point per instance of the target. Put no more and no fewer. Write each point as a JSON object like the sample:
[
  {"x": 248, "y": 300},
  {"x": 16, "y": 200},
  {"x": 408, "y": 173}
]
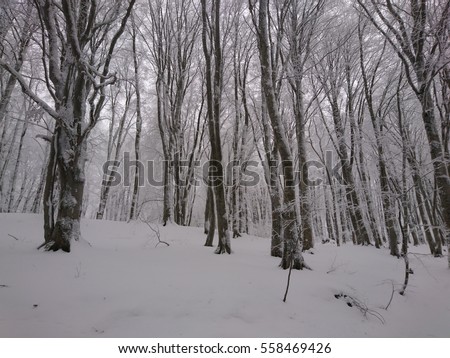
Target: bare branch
[{"x": 26, "y": 89}]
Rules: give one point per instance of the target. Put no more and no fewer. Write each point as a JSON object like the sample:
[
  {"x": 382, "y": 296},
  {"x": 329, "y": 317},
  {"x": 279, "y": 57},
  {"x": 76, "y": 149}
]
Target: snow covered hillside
[{"x": 116, "y": 283}]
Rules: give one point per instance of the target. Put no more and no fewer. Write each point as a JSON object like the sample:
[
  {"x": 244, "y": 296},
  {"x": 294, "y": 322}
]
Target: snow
[{"x": 116, "y": 283}]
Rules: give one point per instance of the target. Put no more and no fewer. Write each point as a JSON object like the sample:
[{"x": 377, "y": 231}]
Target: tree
[
  {"x": 137, "y": 138},
  {"x": 17, "y": 26},
  {"x": 331, "y": 74},
  {"x": 292, "y": 254},
  {"x": 77, "y": 49},
  {"x": 303, "y": 21},
  {"x": 240, "y": 148},
  {"x": 416, "y": 36},
  {"x": 211, "y": 41},
  {"x": 173, "y": 30},
  {"x": 119, "y": 127},
  {"x": 376, "y": 114}
]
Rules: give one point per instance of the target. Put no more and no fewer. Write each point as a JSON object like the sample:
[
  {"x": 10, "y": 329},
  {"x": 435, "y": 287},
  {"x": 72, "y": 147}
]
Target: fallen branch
[
  {"x": 354, "y": 302},
  {"x": 157, "y": 233}
]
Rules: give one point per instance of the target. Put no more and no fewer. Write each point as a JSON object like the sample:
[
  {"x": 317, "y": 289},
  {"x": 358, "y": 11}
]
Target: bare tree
[
  {"x": 118, "y": 130},
  {"x": 423, "y": 56},
  {"x": 303, "y": 20},
  {"x": 212, "y": 50},
  {"x": 174, "y": 27},
  {"x": 331, "y": 74},
  {"x": 76, "y": 75},
  {"x": 377, "y": 114},
  {"x": 292, "y": 254},
  {"x": 137, "y": 138}
]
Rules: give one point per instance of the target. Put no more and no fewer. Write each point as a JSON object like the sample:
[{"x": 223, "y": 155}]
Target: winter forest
[{"x": 225, "y": 168}]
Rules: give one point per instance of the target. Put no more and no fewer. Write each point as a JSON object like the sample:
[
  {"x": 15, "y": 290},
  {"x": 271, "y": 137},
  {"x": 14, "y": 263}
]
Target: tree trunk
[
  {"x": 50, "y": 179},
  {"x": 36, "y": 206},
  {"x": 167, "y": 194},
  {"x": 17, "y": 163},
  {"x": 137, "y": 138},
  {"x": 353, "y": 205},
  {"x": 277, "y": 239},
  {"x": 292, "y": 254},
  {"x": 210, "y": 218},
  {"x": 441, "y": 167},
  {"x": 214, "y": 94},
  {"x": 71, "y": 180}
]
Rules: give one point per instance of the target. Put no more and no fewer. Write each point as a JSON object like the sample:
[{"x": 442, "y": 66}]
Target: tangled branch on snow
[{"x": 354, "y": 302}]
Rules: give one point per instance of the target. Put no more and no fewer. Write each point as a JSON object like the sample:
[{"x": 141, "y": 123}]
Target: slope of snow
[{"x": 116, "y": 283}]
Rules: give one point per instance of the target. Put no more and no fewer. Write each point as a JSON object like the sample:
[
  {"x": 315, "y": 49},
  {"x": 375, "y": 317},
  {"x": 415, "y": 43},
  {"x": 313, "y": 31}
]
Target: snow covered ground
[{"x": 124, "y": 286}]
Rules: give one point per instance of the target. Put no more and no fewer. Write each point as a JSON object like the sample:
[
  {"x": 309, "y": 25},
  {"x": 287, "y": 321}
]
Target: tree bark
[
  {"x": 137, "y": 138},
  {"x": 213, "y": 74},
  {"x": 292, "y": 254}
]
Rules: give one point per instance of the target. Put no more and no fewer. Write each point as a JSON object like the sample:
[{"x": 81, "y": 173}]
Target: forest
[{"x": 312, "y": 123}]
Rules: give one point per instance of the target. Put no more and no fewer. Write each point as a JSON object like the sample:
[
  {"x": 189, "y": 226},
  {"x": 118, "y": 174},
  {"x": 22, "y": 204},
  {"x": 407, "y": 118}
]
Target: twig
[
  {"x": 332, "y": 267},
  {"x": 351, "y": 301},
  {"x": 157, "y": 233},
  {"x": 288, "y": 280},
  {"x": 13, "y": 237},
  {"x": 392, "y": 296},
  {"x": 417, "y": 256}
]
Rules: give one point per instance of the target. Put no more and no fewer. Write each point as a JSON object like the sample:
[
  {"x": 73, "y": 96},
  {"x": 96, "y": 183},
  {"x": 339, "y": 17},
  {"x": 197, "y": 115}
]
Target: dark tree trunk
[
  {"x": 167, "y": 194},
  {"x": 213, "y": 76},
  {"x": 292, "y": 253},
  {"x": 71, "y": 181},
  {"x": 50, "y": 179},
  {"x": 210, "y": 218}
]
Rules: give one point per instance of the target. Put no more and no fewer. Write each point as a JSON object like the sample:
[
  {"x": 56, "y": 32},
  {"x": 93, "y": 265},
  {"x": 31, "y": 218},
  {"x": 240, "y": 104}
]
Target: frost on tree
[{"x": 78, "y": 43}]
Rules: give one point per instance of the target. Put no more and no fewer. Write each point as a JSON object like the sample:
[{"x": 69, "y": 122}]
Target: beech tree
[
  {"x": 348, "y": 86},
  {"x": 416, "y": 36},
  {"x": 77, "y": 48},
  {"x": 303, "y": 20},
  {"x": 172, "y": 30},
  {"x": 18, "y": 22},
  {"x": 292, "y": 253},
  {"x": 212, "y": 50},
  {"x": 119, "y": 127},
  {"x": 137, "y": 139},
  {"x": 377, "y": 118}
]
